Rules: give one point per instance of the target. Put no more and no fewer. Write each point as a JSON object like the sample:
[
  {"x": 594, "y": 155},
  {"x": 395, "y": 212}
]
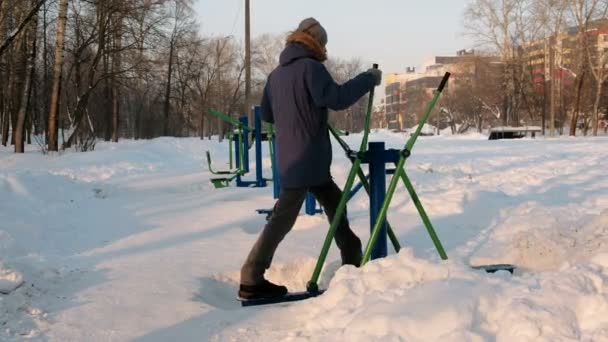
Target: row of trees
[
  {"x": 74, "y": 71},
  {"x": 566, "y": 90}
]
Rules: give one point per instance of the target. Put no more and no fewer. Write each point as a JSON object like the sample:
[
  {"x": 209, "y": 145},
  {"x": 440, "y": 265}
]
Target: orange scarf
[{"x": 307, "y": 40}]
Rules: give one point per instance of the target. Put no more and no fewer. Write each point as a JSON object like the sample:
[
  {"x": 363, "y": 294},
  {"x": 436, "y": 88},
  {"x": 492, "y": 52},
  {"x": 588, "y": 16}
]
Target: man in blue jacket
[{"x": 297, "y": 97}]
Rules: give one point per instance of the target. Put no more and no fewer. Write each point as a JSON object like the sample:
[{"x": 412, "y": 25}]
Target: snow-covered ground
[{"x": 132, "y": 243}]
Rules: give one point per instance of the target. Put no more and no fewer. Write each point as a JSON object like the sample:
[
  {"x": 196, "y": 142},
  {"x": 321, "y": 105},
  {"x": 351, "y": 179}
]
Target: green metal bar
[
  {"x": 393, "y": 238},
  {"x": 423, "y": 215},
  {"x": 226, "y": 118},
  {"x": 382, "y": 215},
  {"x": 312, "y": 285},
  {"x": 230, "y": 137},
  {"x": 395, "y": 179},
  {"x": 366, "y": 186}
]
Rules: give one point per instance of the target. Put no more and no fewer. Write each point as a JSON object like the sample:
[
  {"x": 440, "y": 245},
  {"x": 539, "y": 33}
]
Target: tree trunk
[
  {"x": 167, "y": 106},
  {"x": 116, "y": 65},
  {"x": 26, "y": 20},
  {"x": 45, "y": 58},
  {"x": 574, "y": 121},
  {"x": 57, "y": 76},
  {"x": 27, "y": 89},
  {"x": 596, "y": 106},
  {"x": 552, "y": 87}
]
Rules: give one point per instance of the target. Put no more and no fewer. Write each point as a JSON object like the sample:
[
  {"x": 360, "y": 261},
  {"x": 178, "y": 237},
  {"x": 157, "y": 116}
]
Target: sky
[{"x": 394, "y": 33}]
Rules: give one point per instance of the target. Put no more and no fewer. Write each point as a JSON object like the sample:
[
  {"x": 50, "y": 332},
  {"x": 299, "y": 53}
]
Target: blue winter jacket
[{"x": 296, "y": 99}]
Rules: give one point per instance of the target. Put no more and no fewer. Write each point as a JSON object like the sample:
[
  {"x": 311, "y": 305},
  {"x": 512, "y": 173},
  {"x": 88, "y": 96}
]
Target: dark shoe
[{"x": 263, "y": 290}]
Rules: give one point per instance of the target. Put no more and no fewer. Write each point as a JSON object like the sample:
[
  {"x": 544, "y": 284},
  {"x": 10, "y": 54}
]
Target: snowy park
[
  {"x": 131, "y": 242},
  {"x": 303, "y": 171}
]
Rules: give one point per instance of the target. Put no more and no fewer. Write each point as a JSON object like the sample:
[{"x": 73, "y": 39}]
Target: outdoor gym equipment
[
  {"x": 310, "y": 204},
  {"x": 241, "y": 153},
  {"x": 377, "y": 157},
  {"x": 241, "y": 143}
]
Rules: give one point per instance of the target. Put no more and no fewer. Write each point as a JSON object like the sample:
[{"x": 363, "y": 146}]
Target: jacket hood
[{"x": 293, "y": 52}]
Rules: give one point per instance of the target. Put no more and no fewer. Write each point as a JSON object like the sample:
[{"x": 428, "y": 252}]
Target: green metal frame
[
  {"x": 366, "y": 186},
  {"x": 240, "y": 128},
  {"x": 224, "y": 182},
  {"x": 400, "y": 174},
  {"x": 312, "y": 285}
]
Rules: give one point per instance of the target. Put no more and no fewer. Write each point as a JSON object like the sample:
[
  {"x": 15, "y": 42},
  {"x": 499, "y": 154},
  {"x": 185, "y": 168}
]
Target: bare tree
[
  {"x": 505, "y": 26},
  {"x": 29, "y": 50},
  {"x": 23, "y": 25},
  {"x": 57, "y": 76},
  {"x": 582, "y": 13},
  {"x": 265, "y": 54},
  {"x": 182, "y": 24}
]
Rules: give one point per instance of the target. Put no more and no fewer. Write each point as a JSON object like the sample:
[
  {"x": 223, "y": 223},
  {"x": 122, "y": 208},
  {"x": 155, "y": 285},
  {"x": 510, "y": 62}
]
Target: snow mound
[
  {"x": 406, "y": 298},
  {"x": 10, "y": 280},
  {"x": 538, "y": 238}
]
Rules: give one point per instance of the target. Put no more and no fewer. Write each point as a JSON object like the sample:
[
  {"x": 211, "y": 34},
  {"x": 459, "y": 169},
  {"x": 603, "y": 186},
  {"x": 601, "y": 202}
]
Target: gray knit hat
[{"x": 313, "y": 28}]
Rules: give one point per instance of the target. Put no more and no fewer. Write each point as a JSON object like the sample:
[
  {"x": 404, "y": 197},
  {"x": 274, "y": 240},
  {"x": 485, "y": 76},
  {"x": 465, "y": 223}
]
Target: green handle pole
[
  {"x": 368, "y": 118},
  {"x": 395, "y": 179},
  {"x": 312, "y": 286},
  {"x": 410, "y": 144}
]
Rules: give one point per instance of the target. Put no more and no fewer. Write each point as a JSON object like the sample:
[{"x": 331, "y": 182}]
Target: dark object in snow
[
  {"x": 289, "y": 297},
  {"x": 496, "y": 268},
  {"x": 498, "y": 133}
]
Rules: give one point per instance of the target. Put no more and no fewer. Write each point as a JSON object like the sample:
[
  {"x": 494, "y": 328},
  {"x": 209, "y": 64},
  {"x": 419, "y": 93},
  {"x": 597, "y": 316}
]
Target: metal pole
[
  {"x": 247, "y": 58},
  {"x": 425, "y": 218},
  {"x": 238, "y": 155},
  {"x": 377, "y": 180},
  {"x": 276, "y": 184},
  {"x": 311, "y": 204},
  {"x": 245, "y": 122},
  {"x": 259, "y": 177},
  {"x": 230, "y": 138},
  {"x": 399, "y": 174},
  {"x": 365, "y": 183}
]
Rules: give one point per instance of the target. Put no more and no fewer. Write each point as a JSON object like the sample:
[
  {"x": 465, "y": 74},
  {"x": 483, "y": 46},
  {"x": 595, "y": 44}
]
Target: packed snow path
[{"x": 132, "y": 243}]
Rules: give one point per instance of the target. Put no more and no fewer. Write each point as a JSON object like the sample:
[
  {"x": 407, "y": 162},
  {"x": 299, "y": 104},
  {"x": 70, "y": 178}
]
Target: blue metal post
[
  {"x": 259, "y": 177},
  {"x": 311, "y": 204},
  {"x": 237, "y": 151},
  {"x": 245, "y": 123},
  {"x": 276, "y": 183},
  {"x": 377, "y": 175}
]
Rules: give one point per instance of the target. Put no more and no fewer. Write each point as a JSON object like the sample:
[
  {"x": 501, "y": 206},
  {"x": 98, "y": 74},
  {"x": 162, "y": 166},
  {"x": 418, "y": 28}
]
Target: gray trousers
[{"x": 282, "y": 219}]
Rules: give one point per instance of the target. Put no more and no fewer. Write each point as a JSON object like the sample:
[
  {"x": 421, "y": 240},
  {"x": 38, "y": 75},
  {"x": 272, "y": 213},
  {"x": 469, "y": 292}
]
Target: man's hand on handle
[{"x": 377, "y": 74}]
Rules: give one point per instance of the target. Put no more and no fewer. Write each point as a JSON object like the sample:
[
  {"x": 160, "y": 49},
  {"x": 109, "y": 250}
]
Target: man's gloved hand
[{"x": 377, "y": 73}]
